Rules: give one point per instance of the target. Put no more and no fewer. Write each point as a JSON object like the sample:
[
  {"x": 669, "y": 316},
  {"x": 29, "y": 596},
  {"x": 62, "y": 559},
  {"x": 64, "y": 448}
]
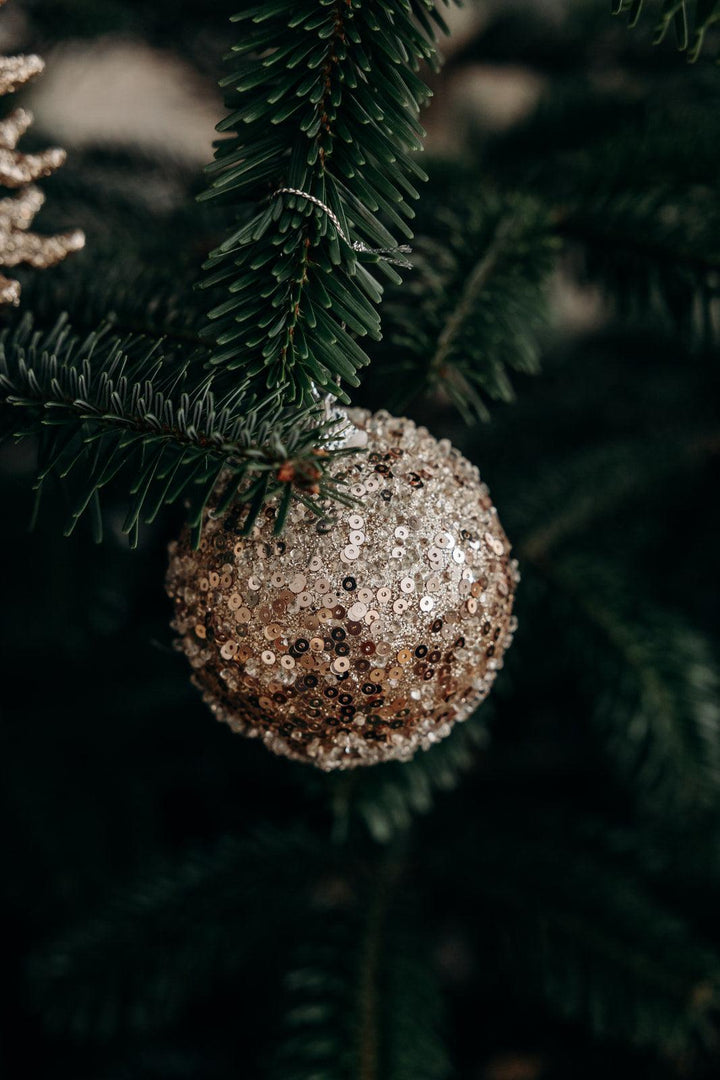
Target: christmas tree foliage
[{"x": 536, "y": 895}]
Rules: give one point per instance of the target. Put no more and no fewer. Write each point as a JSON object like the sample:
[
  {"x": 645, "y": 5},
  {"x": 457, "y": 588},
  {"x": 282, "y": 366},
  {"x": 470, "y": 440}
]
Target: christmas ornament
[
  {"x": 19, "y": 171},
  {"x": 356, "y": 640}
]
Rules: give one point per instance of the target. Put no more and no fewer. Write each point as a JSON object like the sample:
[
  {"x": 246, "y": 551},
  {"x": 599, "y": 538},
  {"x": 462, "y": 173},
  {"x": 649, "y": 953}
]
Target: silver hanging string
[{"x": 389, "y": 255}]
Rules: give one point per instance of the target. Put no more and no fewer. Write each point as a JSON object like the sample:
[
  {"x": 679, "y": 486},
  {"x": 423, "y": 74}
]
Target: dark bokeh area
[{"x": 556, "y": 866}]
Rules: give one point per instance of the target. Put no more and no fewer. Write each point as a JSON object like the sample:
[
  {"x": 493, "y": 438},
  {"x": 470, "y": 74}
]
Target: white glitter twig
[{"x": 386, "y": 254}]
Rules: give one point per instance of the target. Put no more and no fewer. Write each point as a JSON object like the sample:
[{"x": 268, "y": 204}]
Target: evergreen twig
[
  {"x": 119, "y": 405},
  {"x": 475, "y": 309},
  {"x": 331, "y": 113},
  {"x": 690, "y": 29}
]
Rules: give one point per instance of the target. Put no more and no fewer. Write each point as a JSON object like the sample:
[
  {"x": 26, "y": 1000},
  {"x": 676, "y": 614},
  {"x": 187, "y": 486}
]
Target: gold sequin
[{"x": 494, "y": 543}]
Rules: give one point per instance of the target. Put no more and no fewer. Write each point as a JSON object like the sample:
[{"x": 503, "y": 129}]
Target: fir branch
[
  {"x": 567, "y": 927},
  {"x": 653, "y": 686},
  {"x": 657, "y": 253},
  {"x": 121, "y": 406},
  {"x": 386, "y": 799},
  {"x": 476, "y": 307},
  {"x": 363, "y": 1002},
  {"x": 650, "y": 684},
  {"x": 629, "y": 188},
  {"x": 676, "y": 13},
  {"x": 369, "y": 1006},
  {"x": 326, "y": 101},
  {"x": 133, "y": 300},
  {"x": 569, "y": 497},
  {"x": 169, "y": 938}
]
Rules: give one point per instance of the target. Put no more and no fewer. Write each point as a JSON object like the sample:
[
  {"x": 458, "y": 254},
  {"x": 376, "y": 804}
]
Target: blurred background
[{"x": 567, "y": 886}]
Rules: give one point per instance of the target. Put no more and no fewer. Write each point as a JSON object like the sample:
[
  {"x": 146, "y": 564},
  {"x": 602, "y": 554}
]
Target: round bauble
[{"x": 363, "y": 639}]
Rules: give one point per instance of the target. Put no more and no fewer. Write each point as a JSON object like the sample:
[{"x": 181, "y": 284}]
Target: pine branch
[
  {"x": 363, "y": 1003},
  {"x": 325, "y": 102},
  {"x": 648, "y": 678},
  {"x": 135, "y": 272},
  {"x": 676, "y": 13},
  {"x": 565, "y": 926},
  {"x": 167, "y": 940},
  {"x": 628, "y": 184},
  {"x": 475, "y": 309},
  {"x": 387, "y": 798},
  {"x": 655, "y": 254},
  {"x": 568, "y": 497},
  {"x": 133, "y": 300},
  {"x": 652, "y": 683},
  {"x": 584, "y": 140},
  {"x": 106, "y": 406}
]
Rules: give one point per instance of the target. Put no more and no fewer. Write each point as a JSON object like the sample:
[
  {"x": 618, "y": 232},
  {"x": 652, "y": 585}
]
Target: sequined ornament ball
[{"x": 360, "y": 641}]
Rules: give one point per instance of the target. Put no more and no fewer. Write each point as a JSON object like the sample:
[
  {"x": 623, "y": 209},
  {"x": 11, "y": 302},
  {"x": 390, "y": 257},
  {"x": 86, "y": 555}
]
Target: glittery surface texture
[
  {"x": 362, "y": 639},
  {"x": 18, "y": 171}
]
